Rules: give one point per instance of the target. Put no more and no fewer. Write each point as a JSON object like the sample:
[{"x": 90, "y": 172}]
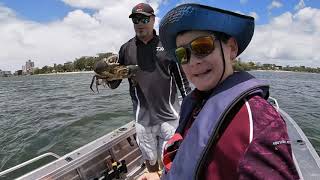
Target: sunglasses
[
  {"x": 143, "y": 20},
  {"x": 200, "y": 47}
]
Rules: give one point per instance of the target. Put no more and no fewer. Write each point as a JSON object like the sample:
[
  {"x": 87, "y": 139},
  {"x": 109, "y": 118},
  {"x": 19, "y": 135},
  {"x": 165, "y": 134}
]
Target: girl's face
[{"x": 205, "y": 72}]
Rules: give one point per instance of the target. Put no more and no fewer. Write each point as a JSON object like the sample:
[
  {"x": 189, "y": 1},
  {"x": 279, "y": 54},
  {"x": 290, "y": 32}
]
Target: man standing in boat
[{"x": 153, "y": 89}]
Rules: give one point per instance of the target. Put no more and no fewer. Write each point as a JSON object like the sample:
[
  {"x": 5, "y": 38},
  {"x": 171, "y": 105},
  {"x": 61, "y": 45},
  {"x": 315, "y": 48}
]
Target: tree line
[
  {"x": 86, "y": 63},
  {"x": 247, "y": 66}
]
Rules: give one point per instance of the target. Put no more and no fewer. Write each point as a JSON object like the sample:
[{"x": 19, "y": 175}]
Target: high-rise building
[{"x": 28, "y": 68}]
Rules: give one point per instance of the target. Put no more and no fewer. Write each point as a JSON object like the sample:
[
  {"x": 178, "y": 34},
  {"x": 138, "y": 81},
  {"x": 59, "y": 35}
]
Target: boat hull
[{"x": 305, "y": 156}]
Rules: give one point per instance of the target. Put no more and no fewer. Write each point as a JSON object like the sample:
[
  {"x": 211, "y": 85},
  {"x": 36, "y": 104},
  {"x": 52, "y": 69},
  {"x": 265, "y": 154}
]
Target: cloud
[
  {"x": 77, "y": 34},
  {"x": 6, "y": 13},
  {"x": 90, "y": 4},
  {"x": 80, "y": 19},
  {"x": 289, "y": 39},
  {"x": 274, "y": 4},
  {"x": 100, "y": 4},
  {"x": 239, "y": 12},
  {"x": 300, "y": 5},
  {"x": 255, "y": 15}
]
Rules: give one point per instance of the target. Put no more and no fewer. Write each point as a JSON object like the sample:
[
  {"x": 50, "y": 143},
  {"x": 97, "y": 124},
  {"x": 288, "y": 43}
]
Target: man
[
  {"x": 227, "y": 129},
  {"x": 153, "y": 89}
]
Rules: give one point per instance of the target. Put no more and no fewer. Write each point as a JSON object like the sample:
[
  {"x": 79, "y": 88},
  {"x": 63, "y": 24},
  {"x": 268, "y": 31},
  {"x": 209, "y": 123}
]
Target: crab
[{"x": 108, "y": 69}]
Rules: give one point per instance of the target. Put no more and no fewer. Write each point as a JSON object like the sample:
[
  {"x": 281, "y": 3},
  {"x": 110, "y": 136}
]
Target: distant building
[
  {"x": 268, "y": 66},
  {"x": 278, "y": 67},
  {"x": 28, "y": 68},
  {"x": 68, "y": 66},
  {"x": 18, "y": 73},
  {"x": 67, "y": 63},
  {"x": 5, "y": 73}
]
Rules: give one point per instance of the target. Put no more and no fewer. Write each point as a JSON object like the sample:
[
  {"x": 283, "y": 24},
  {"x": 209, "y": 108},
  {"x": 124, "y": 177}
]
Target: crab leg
[{"x": 93, "y": 78}]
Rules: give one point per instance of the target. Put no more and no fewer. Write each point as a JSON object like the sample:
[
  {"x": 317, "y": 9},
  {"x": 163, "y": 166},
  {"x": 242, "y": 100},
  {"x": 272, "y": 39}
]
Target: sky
[{"x": 287, "y": 32}]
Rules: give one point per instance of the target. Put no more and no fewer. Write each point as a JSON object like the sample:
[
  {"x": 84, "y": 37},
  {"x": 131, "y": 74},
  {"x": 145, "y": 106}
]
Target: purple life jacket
[{"x": 202, "y": 134}]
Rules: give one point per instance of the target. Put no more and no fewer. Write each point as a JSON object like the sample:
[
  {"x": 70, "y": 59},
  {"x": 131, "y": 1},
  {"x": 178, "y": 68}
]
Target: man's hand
[{"x": 149, "y": 176}]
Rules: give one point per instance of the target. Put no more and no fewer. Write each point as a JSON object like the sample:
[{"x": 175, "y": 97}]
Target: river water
[{"x": 59, "y": 113}]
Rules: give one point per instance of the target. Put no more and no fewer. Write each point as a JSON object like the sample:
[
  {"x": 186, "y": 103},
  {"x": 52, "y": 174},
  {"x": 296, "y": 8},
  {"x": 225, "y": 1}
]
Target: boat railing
[
  {"x": 48, "y": 154},
  {"x": 274, "y": 103}
]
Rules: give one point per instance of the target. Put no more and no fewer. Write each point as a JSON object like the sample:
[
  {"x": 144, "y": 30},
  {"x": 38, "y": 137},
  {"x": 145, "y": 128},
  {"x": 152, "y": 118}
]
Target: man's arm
[{"x": 180, "y": 78}]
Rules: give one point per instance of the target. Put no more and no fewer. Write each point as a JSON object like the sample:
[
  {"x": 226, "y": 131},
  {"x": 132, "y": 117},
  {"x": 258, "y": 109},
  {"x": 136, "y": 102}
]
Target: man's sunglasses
[
  {"x": 200, "y": 47},
  {"x": 144, "y": 20}
]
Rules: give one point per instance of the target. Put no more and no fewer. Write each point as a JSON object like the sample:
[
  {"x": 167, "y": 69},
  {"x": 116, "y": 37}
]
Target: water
[
  {"x": 59, "y": 113},
  {"x": 299, "y": 95},
  {"x": 56, "y": 113}
]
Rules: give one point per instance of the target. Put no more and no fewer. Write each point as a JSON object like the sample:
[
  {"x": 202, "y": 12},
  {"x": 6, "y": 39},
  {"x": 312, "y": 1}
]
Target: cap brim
[{"x": 143, "y": 13}]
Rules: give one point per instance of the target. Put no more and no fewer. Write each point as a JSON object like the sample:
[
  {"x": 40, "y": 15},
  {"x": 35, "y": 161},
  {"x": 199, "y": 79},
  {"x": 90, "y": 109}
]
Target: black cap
[{"x": 142, "y": 8}]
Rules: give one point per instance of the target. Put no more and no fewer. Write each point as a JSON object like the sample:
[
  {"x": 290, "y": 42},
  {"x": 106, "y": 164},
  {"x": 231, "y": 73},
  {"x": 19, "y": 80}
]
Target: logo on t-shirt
[{"x": 160, "y": 49}]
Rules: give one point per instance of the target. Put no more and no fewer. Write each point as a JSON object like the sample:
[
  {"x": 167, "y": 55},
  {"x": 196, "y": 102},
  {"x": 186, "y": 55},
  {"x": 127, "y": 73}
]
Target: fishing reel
[{"x": 118, "y": 171}]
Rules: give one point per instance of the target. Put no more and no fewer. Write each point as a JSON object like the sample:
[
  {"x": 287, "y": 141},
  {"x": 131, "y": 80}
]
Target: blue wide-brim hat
[{"x": 189, "y": 17}]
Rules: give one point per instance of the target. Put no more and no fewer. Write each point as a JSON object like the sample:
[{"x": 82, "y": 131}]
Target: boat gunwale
[
  {"x": 310, "y": 147},
  {"x": 83, "y": 154}
]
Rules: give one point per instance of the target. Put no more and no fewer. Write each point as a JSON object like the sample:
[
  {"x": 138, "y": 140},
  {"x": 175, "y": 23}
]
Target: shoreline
[
  {"x": 280, "y": 71},
  {"x": 76, "y": 72},
  {"x": 263, "y": 70}
]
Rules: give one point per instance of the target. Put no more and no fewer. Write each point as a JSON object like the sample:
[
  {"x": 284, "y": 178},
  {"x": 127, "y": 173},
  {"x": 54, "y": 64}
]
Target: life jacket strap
[{"x": 170, "y": 150}]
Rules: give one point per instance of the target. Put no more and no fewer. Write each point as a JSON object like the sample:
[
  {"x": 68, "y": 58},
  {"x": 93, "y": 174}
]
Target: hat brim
[
  {"x": 143, "y": 13},
  {"x": 188, "y": 17}
]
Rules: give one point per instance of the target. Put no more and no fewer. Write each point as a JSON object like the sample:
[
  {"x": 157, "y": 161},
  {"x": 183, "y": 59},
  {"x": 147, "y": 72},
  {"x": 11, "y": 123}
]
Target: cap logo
[
  {"x": 139, "y": 6},
  {"x": 139, "y": 10}
]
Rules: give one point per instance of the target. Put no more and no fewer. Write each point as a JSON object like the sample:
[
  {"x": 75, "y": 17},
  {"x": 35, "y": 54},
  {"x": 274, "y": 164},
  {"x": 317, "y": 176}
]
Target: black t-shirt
[{"x": 146, "y": 54}]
